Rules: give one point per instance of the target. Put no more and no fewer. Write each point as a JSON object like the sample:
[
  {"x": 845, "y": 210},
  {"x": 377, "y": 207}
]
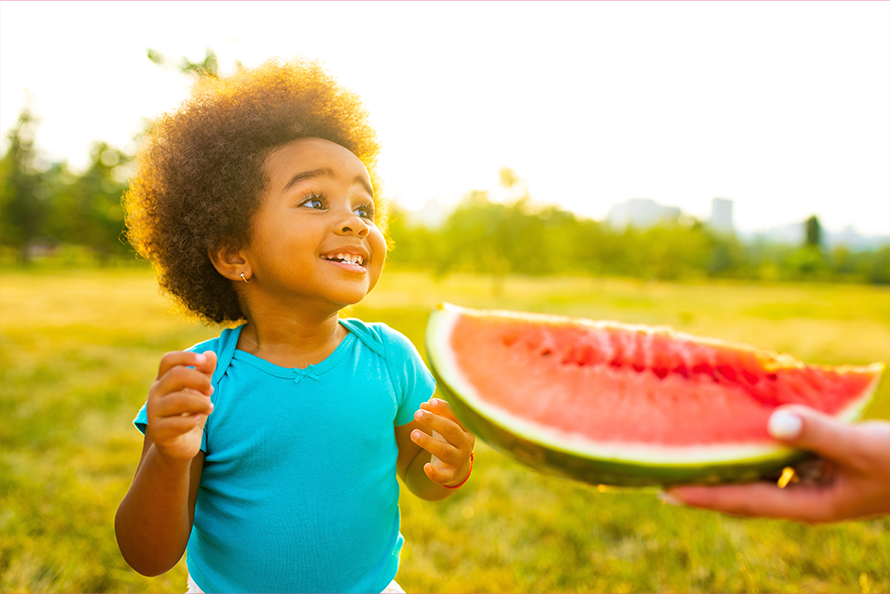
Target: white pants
[{"x": 392, "y": 588}]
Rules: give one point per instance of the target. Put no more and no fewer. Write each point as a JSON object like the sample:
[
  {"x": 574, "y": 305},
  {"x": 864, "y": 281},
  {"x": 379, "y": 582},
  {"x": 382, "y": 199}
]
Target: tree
[
  {"x": 475, "y": 234},
  {"x": 23, "y": 192},
  {"x": 88, "y": 209},
  {"x": 411, "y": 245},
  {"x": 209, "y": 66},
  {"x": 813, "y": 231}
]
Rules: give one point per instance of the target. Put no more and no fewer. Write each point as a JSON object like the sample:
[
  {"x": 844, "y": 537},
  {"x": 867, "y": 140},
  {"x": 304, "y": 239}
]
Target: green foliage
[
  {"x": 806, "y": 261},
  {"x": 209, "y": 66},
  {"x": 23, "y": 193},
  {"x": 53, "y": 206},
  {"x": 519, "y": 236},
  {"x": 62, "y": 212},
  {"x": 87, "y": 208},
  {"x": 873, "y": 266},
  {"x": 81, "y": 347},
  {"x": 46, "y": 209}
]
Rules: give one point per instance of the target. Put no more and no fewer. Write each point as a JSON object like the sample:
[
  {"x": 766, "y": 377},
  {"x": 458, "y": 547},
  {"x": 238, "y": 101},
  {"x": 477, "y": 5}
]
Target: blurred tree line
[
  {"x": 46, "y": 209},
  {"x": 517, "y": 236}
]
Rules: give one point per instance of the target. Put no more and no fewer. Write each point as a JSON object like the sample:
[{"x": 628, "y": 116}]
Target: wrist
[
  {"x": 469, "y": 472},
  {"x": 170, "y": 463}
]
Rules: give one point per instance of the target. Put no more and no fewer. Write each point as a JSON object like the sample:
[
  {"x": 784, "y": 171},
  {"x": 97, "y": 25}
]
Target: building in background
[
  {"x": 641, "y": 213},
  {"x": 721, "y": 215}
]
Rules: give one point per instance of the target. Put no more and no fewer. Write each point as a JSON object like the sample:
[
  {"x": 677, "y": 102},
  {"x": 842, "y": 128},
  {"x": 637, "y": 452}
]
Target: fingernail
[
  {"x": 669, "y": 499},
  {"x": 200, "y": 359},
  {"x": 415, "y": 435},
  {"x": 784, "y": 425},
  {"x": 434, "y": 401},
  {"x": 419, "y": 415}
]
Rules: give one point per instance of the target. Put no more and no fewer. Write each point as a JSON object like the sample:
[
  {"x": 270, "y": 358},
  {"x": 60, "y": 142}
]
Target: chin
[{"x": 345, "y": 300}]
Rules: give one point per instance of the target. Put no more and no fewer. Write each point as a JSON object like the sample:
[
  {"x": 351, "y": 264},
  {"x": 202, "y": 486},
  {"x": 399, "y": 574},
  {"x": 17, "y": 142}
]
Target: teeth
[{"x": 351, "y": 258}]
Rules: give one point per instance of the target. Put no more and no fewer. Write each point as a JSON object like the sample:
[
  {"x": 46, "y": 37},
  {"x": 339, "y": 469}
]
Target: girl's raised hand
[
  {"x": 451, "y": 443},
  {"x": 179, "y": 402}
]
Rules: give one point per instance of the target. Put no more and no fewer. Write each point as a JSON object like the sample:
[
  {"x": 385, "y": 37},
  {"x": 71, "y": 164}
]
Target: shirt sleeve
[{"x": 412, "y": 380}]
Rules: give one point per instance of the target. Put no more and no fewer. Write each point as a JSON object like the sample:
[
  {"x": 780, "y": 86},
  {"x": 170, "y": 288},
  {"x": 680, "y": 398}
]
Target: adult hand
[{"x": 854, "y": 482}]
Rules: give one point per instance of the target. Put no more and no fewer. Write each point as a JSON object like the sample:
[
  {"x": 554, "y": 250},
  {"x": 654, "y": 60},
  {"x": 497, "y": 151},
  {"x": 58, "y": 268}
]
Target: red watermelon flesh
[
  {"x": 627, "y": 404},
  {"x": 656, "y": 384}
]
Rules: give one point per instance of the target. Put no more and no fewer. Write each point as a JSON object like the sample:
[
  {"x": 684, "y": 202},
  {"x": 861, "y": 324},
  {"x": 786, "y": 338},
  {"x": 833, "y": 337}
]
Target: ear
[{"x": 230, "y": 264}]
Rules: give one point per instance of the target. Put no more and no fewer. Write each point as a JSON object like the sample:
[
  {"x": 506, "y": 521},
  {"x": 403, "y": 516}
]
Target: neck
[{"x": 291, "y": 341}]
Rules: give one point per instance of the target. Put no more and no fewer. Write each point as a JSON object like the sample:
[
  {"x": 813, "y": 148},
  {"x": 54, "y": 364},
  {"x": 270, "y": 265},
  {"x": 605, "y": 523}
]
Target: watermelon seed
[{"x": 546, "y": 353}]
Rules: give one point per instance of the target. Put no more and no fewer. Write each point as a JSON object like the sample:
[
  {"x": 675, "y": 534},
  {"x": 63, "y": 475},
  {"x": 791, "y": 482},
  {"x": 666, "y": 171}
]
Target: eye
[
  {"x": 365, "y": 211},
  {"x": 314, "y": 201}
]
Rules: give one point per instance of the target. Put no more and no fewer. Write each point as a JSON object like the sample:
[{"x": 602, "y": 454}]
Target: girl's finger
[
  {"x": 442, "y": 450},
  {"x": 180, "y": 403},
  {"x": 174, "y": 426},
  {"x": 209, "y": 364},
  {"x": 183, "y": 358},
  {"x": 443, "y": 409},
  {"x": 450, "y": 430},
  {"x": 182, "y": 378},
  {"x": 437, "y": 475}
]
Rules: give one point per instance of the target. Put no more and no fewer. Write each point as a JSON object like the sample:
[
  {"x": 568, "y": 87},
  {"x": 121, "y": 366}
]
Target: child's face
[{"x": 313, "y": 240}]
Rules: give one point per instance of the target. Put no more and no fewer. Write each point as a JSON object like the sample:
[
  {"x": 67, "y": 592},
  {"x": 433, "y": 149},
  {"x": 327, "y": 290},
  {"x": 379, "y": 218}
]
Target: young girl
[{"x": 271, "y": 452}]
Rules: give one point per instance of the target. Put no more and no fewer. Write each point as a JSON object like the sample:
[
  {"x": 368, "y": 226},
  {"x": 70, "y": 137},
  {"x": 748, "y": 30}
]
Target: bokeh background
[{"x": 723, "y": 168}]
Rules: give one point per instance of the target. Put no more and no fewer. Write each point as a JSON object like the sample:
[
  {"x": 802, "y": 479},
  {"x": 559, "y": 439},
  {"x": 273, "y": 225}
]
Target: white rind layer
[{"x": 441, "y": 326}]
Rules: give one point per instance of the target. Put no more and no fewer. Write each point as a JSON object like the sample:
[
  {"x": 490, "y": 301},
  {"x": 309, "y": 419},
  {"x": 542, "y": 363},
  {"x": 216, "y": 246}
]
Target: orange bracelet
[{"x": 466, "y": 477}]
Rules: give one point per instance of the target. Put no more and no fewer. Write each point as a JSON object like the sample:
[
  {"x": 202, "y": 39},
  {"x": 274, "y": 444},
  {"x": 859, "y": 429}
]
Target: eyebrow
[{"x": 324, "y": 172}]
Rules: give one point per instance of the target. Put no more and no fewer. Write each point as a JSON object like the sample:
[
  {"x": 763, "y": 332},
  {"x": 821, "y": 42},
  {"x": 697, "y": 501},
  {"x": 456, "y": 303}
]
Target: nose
[{"x": 353, "y": 225}]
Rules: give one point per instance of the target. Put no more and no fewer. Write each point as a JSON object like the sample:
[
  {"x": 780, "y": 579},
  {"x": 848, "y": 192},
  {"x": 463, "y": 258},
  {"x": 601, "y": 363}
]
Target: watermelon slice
[{"x": 618, "y": 404}]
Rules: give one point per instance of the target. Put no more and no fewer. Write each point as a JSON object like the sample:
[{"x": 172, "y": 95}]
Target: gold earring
[{"x": 243, "y": 277}]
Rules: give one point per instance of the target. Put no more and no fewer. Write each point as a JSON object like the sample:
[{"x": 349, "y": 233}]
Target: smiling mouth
[{"x": 347, "y": 258}]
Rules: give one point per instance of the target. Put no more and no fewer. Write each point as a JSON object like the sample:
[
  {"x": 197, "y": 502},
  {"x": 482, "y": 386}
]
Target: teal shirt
[{"x": 299, "y": 490}]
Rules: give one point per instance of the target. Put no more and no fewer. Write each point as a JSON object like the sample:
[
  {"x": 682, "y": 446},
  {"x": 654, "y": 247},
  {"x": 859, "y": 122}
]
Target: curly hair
[{"x": 199, "y": 171}]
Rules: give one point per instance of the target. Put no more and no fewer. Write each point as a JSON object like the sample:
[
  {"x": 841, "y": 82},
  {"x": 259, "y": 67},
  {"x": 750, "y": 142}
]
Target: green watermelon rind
[{"x": 579, "y": 458}]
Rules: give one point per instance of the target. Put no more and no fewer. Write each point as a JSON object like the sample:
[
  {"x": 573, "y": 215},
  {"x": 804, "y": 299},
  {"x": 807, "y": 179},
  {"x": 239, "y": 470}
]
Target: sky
[{"x": 782, "y": 107}]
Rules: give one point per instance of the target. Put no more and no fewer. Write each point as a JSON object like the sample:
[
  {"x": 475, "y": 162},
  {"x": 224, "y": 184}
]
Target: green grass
[{"x": 79, "y": 349}]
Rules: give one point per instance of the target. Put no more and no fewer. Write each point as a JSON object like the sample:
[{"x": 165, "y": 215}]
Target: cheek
[{"x": 378, "y": 244}]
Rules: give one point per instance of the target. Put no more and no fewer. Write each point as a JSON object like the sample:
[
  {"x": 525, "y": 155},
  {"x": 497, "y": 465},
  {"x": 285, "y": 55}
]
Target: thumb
[
  {"x": 209, "y": 363},
  {"x": 808, "y": 429}
]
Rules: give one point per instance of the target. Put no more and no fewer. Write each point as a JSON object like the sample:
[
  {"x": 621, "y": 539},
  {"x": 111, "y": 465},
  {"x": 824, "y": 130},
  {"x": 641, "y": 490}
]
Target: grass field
[{"x": 78, "y": 350}]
